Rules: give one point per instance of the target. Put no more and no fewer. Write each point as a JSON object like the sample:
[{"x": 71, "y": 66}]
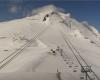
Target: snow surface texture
[{"x": 45, "y": 28}]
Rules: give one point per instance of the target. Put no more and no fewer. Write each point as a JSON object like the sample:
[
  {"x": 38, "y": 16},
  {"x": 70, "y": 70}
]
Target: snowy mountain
[{"x": 47, "y": 46}]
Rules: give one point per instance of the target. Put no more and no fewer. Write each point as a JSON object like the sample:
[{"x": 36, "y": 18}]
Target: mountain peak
[
  {"x": 51, "y": 7},
  {"x": 47, "y": 9}
]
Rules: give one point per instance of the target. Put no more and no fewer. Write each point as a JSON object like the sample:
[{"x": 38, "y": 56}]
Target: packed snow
[{"x": 45, "y": 31}]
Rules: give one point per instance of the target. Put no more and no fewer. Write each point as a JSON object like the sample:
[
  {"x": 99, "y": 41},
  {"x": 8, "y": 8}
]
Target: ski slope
[{"x": 31, "y": 39}]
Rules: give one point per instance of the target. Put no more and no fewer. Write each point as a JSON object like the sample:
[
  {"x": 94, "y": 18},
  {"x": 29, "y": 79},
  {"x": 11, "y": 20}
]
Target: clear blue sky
[{"x": 81, "y": 10}]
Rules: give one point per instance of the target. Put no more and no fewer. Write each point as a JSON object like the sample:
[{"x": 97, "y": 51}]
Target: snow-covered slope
[{"x": 45, "y": 30}]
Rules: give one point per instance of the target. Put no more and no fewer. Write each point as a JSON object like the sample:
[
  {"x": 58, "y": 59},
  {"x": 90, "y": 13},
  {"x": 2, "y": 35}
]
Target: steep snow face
[
  {"x": 51, "y": 14},
  {"x": 95, "y": 31},
  {"x": 64, "y": 16},
  {"x": 44, "y": 11},
  {"x": 53, "y": 24},
  {"x": 87, "y": 31},
  {"x": 91, "y": 28}
]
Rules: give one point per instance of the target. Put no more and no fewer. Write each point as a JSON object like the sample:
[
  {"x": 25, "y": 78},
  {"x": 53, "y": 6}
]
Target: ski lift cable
[
  {"x": 75, "y": 55},
  {"x": 83, "y": 60},
  {"x": 15, "y": 51},
  {"x": 21, "y": 49},
  {"x": 86, "y": 63}
]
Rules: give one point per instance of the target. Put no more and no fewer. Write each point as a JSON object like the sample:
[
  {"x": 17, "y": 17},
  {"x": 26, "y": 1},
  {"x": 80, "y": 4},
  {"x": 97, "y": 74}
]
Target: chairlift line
[
  {"x": 84, "y": 60},
  {"x": 75, "y": 55},
  {"x": 71, "y": 47},
  {"x": 17, "y": 52}
]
